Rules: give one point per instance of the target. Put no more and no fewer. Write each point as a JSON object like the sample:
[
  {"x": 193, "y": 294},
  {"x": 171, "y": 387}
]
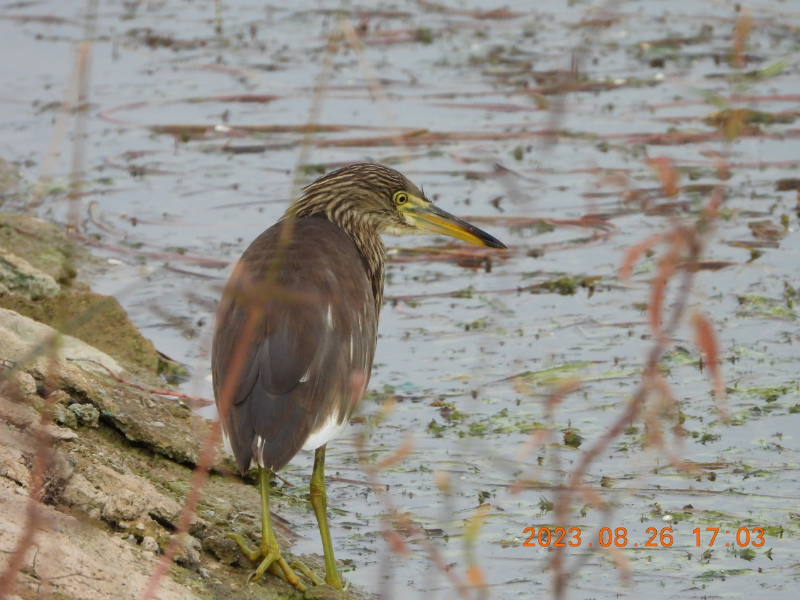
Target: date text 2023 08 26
[{"x": 655, "y": 538}]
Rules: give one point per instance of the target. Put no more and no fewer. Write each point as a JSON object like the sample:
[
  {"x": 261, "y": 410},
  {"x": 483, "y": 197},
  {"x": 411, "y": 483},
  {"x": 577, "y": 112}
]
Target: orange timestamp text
[{"x": 561, "y": 537}]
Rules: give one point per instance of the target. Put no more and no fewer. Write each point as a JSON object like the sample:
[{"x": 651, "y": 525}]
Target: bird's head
[{"x": 380, "y": 199}]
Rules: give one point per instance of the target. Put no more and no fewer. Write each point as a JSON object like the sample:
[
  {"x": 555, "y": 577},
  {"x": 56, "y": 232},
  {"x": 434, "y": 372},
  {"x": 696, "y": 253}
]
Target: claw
[{"x": 271, "y": 560}]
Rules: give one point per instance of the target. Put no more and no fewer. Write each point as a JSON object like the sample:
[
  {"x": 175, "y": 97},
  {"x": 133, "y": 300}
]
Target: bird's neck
[{"x": 373, "y": 256}]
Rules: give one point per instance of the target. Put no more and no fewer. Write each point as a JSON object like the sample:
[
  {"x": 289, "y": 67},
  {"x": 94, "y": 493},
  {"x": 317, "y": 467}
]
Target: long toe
[
  {"x": 269, "y": 558},
  {"x": 302, "y": 568},
  {"x": 253, "y": 555}
]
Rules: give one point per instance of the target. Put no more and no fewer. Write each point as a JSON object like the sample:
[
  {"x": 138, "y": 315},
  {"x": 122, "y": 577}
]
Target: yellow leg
[
  {"x": 269, "y": 553},
  {"x": 319, "y": 500}
]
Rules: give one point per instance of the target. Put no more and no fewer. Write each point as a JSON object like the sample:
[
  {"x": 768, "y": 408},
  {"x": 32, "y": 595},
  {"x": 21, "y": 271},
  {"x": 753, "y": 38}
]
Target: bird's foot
[
  {"x": 271, "y": 560},
  {"x": 332, "y": 579}
]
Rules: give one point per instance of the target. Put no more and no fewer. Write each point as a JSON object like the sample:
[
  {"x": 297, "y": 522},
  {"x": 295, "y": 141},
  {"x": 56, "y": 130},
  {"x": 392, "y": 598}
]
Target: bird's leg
[
  {"x": 269, "y": 553},
  {"x": 319, "y": 500}
]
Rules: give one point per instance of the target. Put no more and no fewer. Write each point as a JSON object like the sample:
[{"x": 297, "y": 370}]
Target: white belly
[{"x": 324, "y": 434}]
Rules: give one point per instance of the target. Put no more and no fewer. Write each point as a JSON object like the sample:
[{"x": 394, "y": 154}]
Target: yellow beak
[{"x": 435, "y": 220}]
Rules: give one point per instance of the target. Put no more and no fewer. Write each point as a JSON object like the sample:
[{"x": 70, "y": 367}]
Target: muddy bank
[{"x": 120, "y": 461}]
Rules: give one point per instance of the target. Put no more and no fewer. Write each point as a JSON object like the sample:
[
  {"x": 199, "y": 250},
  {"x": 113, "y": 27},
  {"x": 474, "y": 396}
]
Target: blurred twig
[
  {"x": 36, "y": 486},
  {"x": 376, "y": 89},
  {"x": 83, "y": 75},
  {"x": 197, "y": 400}
]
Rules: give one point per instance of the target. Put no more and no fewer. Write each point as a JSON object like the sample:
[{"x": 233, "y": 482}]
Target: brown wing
[{"x": 312, "y": 330}]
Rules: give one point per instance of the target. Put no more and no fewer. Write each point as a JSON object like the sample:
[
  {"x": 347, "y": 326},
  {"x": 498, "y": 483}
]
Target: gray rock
[
  {"x": 18, "y": 447},
  {"x": 13, "y": 463},
  {"x": 188, "y": 554},
  {"x": 20, "y": 335},
  {"x": 86, "y": 413},
  {"x": 20, "y": 277},
  {"x": 124, "y": 505},
  {"x": 63, "y": 416},
  {"x": 67, "y": 546},
  {"x": 21, "y": 416},
  {"x": 149, "y": 544},
  {"x": 226, "y": 551},
  {"x": 60, "y": 433},
  {"x": 21, "y": 385},
  {"x": 177, "y": 433},
  {"x": 80, "y": 493}
]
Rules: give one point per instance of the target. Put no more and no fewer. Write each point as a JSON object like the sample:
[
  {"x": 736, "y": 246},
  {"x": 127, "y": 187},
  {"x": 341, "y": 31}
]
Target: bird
[{"x": 296, "y": 331}]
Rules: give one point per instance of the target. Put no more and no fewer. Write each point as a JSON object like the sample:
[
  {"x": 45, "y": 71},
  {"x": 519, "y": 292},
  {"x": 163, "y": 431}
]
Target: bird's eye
[{"x": 400, "y": 198}]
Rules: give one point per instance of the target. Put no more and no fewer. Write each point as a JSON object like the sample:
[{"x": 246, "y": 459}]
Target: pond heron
[{"x": 297, "y": 326}]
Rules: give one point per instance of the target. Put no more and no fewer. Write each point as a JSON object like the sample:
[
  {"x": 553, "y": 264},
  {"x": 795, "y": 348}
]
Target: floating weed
[
  {"x": 751, "y": 77},
  {"x": 448, "y": 410},
  {"x": 618, "y": 373},
  {"x": 572, "y": 439},
  {"x": 763, "y": 307},
  {"x": 475, "y": 429},
  {"x": 758, "y": 473},
  {"x": 767, "y": 230},
  {"x": 424, "y": 35},
  {"x": 545, "y": 505},
  {"x": 741, "y": 417},
  {"x": 788, "y": 184},
  {"x": 463, "y": 293},
  {"x": 568, "y": 285},
  {"x": 751, "y": 352},
  {"x": 435, "y": 428},
  {"x": 679, "y": 356},
  {"x": 732, "y": 120},
  {"x": 552, "y": 375},
  {"x": 500, "y": 423},
  {"x": 313, "y": 169},
  {"x": 723, "y": 573},
  {"x": 770, "y": 393},
  {"x": 775, "y": 531},
  {"x": 790, "y": 294},
  {"x": 747, "y": 554}
]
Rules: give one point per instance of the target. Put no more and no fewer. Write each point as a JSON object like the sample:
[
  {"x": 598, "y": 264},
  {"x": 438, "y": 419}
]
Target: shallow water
[{"x": 656, "y": 69}]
